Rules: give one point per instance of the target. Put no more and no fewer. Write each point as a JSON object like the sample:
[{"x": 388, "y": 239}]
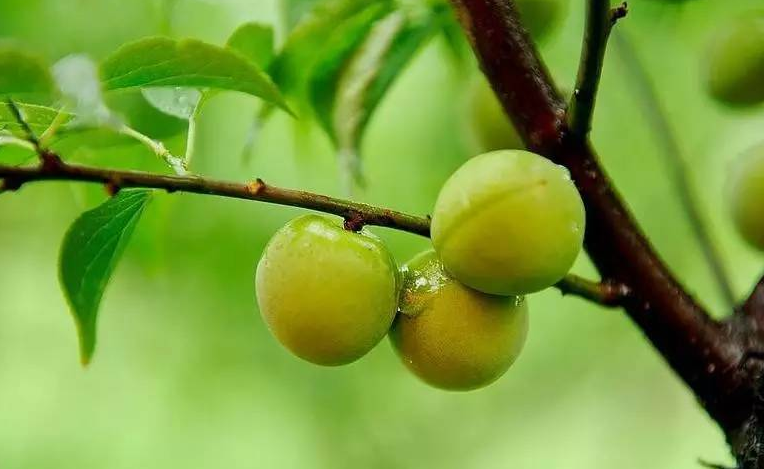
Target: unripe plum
[
  {"x": 508, "y": 222},
  {"x": 735, "y": 69},
  {"x": 327, "y": 294},
  {"x": 746, "y": 195},
  {"x": 451, "y": 336},
  {"x": 489, "y": 125}
]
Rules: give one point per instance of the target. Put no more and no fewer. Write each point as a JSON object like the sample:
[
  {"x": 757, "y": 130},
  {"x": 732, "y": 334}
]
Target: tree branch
[
  {"x": 362, "y": 214},
  {"x": 610, "y": 294},
  {"x": 600, "y": 20},
  {"x": 356, "y": 214},
  {"x": 754, "y": 305},
  {"x": 703, "y": 352}
]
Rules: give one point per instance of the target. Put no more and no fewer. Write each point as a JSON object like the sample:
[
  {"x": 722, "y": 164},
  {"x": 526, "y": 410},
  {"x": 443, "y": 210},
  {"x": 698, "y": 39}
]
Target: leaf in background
[
  {"x": 294, "y": 11},
  {"x": 23, "y": 74},
  {"x": 38, "y": 117},
  {"x": 293, "y": 65},
  {"x": 254, "y": 41},
  {"x": 89, "y": 254},
  {"x": 77, "y": 79},
  {"x": 348, "y": 85},
  {"x": 159, "y": 61},
  {"x": 174, "y": 101}
]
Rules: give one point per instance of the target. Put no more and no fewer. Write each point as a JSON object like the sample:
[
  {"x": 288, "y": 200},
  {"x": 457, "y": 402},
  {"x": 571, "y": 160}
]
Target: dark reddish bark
[{"x": 712, "y": 357}]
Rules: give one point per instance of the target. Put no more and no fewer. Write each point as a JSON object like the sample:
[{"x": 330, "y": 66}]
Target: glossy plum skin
[
  {"x": 508, "y": 223},
  {"x": 327, "y": 294},
  {"x": 735, "y": 62},
  {"x": 451, "y": 336},
  {"x": 745, "y": 190}
]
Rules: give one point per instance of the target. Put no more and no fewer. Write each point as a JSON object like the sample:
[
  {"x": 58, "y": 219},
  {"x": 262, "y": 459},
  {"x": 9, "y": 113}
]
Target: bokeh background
[{"x": 186, "y": 374}]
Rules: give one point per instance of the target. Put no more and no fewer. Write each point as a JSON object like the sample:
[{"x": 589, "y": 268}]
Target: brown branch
[
  {"x": 356, "y": 214},
  {"x": 600, "y": 19},
  {"x": 607, "y": 293},
  {"x": 754, "y": 305},
  {"x": 703, "y": 352},
  {"x": 361, "y": 214}
]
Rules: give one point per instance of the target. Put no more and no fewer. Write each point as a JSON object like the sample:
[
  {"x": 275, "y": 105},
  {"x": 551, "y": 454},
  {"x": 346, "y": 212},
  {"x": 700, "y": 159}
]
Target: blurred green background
[{"x": 186, "y": 374}]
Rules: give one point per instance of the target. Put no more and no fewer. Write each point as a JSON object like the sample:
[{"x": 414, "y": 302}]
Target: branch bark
[
  {"x": 356, "y": 214},
  {"x": 703, "y": 352},
  {"x": 361, "y": 214}
]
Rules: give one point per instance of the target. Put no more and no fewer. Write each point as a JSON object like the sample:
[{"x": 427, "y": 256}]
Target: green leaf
[
  {"x": 159, "y": 61},
  {"x": 313, "y": 37},
  {"x": 336, "y": 57},
  {"x": 174, "y": 101},
  {"x": 39, "y": 118},
  {"x": 89, "y": 254},
  {"x": 294, "y": 11},
  {"x": 255, "y": 42},
  {"x": 23, "y": 74},
  {"x": 348, "y": 84}
]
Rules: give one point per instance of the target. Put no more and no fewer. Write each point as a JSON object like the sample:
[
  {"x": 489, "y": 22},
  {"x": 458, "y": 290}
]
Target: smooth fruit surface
[
  {"x": 451, "y": 336},
  {"x": 735, "y": 70},
  {"x": 746, "y": 195},
  {"x": 508, "y": 223},
  {"x": 489, "y": 125},
  {"x": 329, "y": 295}
]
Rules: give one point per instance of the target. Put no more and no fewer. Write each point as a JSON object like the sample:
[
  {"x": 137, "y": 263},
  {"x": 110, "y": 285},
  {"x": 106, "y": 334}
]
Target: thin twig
[
  {"x": 657, "y": 117},
  {"x": 600, "y": 19},
  {"x": 256, "y": 190},
  {"x": 356, "y": 214},
  {"x": 605, "y": 293},
  {"x": 29, "y": 133}
]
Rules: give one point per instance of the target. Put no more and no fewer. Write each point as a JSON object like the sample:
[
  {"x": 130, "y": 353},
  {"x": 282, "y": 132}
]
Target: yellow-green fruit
[
  {"x": 329, "y": 295},
  {"x": 541, "y": 16},
  {"x": 490, "y": 126},
  {"x": 735, "y": 70},
  {"x": 508, "y": 223},
  {"x": 746, "y": 195},
  {"x": 451, "y": 336}
]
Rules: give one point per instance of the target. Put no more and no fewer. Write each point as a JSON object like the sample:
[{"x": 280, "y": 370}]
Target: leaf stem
[{"x": 178, "y": 165}]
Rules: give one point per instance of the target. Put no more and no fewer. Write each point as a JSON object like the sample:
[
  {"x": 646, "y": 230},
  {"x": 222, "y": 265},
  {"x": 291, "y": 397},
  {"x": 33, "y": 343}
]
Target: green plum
[
  {"x": 327, "y": 294},
  {"x": 746, "y": 195},
  {"x": 489, "y": 126},
  {"x": 451, "y": 336},
  {"x": 735, "y": 69},
  {"x": 508, "y": 222}
]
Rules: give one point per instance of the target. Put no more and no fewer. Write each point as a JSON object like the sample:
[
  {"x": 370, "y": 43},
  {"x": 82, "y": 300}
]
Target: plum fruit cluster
[{"x": 506, "y": 224}]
